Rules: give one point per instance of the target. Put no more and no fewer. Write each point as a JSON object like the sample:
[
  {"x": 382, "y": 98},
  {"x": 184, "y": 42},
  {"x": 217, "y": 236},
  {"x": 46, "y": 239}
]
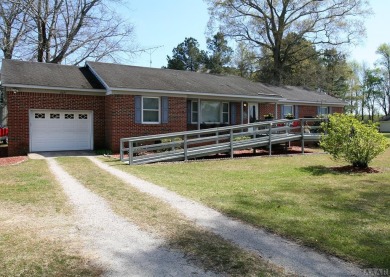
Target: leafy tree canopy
[
  {"x": 187, "y": 56},
  {"x": 221, "y": 54}
]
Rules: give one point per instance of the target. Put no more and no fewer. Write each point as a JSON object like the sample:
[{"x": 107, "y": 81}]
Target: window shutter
[
  {"x": 189, "y": 106},
  {"x": 138, "y": 109},
  {"x": 165, "y": 109},
  {"x": 296, "y": 111},
  {"x": 233, "y": 113},
  {"x": 282, "y": 111},
  {"x": 319, "y": 110},
  {"x": 330, "y": 110}
]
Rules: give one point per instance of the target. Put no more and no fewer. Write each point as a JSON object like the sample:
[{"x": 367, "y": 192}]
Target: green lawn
[
  {"x": 34, "y": 222},
  {"x": 299, "y": 197}
]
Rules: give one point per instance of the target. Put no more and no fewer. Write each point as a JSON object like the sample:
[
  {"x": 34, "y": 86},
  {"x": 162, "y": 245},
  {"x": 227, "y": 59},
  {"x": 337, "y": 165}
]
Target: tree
[
  {"x": 13, "y": 26},
  {"x": 245, "y": 61},
  {"x": 336, "y": 73},
  {"x": 301, "y": 67},
  {"x": 371, "y": 91},
  {"x": 221, "y": 54},
  {"x": 187, "y": 56},
  {"x": 349, "y": 139},
  {"x": 354, "y": 88},
  {"x": 266, "y": 24},
  {"x": 65, "y": 30},
  {"x": 384, "y": 62}
]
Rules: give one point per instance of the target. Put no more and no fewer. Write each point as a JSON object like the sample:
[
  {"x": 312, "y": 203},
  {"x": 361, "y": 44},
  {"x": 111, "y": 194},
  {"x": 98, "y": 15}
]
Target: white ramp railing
[{"x": 200, "y": 143}]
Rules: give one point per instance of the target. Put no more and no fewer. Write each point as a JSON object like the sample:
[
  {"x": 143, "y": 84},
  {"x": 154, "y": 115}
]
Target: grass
[
  {"x": 200, "y": 246},
  {"x": 299, "y": 197},
  {"x": 33, "y": 230}
]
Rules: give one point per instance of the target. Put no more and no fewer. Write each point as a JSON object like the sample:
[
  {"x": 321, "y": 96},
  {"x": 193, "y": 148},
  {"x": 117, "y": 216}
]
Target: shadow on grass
[
  {"x": 338, "y": 170},
  {"x": 318, "y": 170},
  {"x": 213, "y": 253}
]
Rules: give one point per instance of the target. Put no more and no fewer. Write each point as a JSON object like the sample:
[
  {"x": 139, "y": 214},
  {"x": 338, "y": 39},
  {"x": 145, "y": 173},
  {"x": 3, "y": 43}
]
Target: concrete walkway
[
  {"x": 293, "y": 257},
  {"x": 122, "y": 248}
]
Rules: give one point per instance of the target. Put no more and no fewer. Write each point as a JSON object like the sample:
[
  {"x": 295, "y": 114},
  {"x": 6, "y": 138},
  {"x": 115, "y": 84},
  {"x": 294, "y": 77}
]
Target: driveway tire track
[
  {"x": 121, "y": 246},
  {"x": 292, "y": 257}
]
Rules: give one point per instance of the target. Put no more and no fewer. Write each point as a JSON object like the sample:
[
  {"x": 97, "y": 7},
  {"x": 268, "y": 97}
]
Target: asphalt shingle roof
[
  {"x": 304, "y": 95},
  {"x": 15, "y": 72},
  {"x": 126, "y": 77}
]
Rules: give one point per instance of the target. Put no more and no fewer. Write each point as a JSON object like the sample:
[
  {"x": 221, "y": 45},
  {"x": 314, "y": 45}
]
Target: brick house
[{"x": 55, "y": 107}]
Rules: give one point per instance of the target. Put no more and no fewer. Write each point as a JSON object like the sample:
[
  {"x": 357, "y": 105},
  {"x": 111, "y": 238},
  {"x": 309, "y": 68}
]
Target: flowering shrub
[{"x": 349, "y": 139}]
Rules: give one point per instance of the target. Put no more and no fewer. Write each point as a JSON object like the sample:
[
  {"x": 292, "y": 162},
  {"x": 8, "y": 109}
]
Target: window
[
  {"x": 323, "y": 110},
  {"x": 83, "y": 116},
  {"x": 69, "y": 116},
  {"x": 54, "y": 116},
  {"x": 214, "y": 112},
  {"x": 39, "y": 115},
  {"x": 225, "y": 113},
  {"x": 194, "y": 112},
  {"x": 288, "y": 110},
  {"x": 150, "y": 110}
]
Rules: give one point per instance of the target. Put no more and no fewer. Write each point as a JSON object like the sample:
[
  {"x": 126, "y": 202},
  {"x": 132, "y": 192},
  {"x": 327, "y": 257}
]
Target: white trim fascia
[
  {"x": 286, "y": 101},
  {"x": 194, "y": 94},
  {"x": 46, "y": 88},
  {"x": 108, "y": 89}
]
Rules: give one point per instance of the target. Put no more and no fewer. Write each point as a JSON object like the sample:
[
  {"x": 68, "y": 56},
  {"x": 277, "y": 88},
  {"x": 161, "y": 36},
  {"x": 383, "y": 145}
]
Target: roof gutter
[
  {"x": 53, "y": 88},
  {"x": 313, "y": 102}
]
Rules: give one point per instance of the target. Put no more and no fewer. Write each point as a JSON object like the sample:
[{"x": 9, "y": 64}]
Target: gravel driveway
[
  {"x": 123, "y": 249},
  {"x": 293, "y": 257}
]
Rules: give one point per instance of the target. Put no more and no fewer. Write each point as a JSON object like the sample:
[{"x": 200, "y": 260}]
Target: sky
[{"x": 162, "y": 25}]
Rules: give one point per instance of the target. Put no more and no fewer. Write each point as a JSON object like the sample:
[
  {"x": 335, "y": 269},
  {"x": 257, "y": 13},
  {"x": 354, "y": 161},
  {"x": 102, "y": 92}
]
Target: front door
[{"x": 253, "y": 112}]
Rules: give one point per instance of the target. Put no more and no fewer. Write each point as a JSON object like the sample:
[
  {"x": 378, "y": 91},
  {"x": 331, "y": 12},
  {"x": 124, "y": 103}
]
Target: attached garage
[{"x": 60, "y": 130}]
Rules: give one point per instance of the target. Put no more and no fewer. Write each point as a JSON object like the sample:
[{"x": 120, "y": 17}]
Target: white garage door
[{"x": 56, "y": 130}]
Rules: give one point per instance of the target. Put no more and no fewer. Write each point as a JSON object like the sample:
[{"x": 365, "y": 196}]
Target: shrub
[{"x": 348, "y": 139}]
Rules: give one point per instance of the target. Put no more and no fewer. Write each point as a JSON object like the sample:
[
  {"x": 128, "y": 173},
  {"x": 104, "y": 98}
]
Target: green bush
[{"x": 350, "y": 140}]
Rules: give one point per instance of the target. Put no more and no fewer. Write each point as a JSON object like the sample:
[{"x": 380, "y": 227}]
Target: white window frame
[
  {"x": 221, "y": 112},
  {"x": 158, "y": 110},
  {"x": 194, "y": 111},
  {"x": 321, "y": 110},
  {"x": 284, "y": 110},
  {"x": 228, "y": 113}
]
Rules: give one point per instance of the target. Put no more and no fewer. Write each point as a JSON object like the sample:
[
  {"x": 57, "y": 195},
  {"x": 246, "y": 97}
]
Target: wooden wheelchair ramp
[{"x": 183, "y": 146}]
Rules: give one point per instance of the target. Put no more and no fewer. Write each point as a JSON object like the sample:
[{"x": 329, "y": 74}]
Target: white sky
[{"x": 167, "y": 23}]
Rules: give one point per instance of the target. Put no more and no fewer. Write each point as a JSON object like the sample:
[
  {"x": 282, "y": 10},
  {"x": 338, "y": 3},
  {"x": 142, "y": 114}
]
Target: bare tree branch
[
  {"x": 68, "y": 31},
  {"x": 267, "y": 23}
]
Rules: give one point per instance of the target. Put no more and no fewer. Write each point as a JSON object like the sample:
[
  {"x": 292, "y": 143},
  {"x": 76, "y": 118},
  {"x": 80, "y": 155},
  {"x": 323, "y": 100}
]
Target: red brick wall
[
  {"x": 114, "y": 117},
  {"x": 307, "y": 111},
  {"x": 337, "y": 110},
  {"x": 266, "y": 109},
  {"x": 20, "y": 103},
  {"x": 120, "y": 119},
  {"x": 304, "y": 110}
]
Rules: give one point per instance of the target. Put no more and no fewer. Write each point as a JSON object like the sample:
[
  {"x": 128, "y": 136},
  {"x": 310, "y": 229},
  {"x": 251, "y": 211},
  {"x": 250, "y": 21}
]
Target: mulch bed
[
  {"x": 293, "y": 150},
  {"x": 12, "y": 160},
  {"x": 352, "y": 169}
]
